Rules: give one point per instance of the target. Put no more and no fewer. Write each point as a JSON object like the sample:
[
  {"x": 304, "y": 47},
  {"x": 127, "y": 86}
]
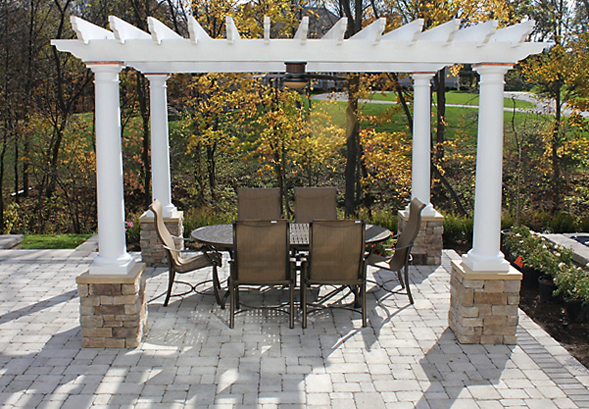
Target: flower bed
[{"x": 536, "y": 257}]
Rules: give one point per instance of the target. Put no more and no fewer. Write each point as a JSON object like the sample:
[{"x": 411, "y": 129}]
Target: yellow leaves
[{"x": 386, "y": 157}]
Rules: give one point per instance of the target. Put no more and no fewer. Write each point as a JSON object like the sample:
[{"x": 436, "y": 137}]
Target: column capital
[
  {"x": 157, "y": 76},
  {"x": 498, "y": 68},
  {"x": 422, "y": 79},
  {"x": 423, "y": 74},
  {"x": 104, "y": 66}
]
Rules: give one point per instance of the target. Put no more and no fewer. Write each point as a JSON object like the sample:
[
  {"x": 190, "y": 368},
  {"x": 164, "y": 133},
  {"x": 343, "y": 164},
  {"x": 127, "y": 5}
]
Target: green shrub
[
  {"x": 457, "y": 230},
  {"x": 533, "y": 250},
  {"x": 204, "y": 216},
  {"x": 133, "y": 231},
  {"x": 536, "y": 252},
  {"x": 563, "y": 222},
  {"x": 573, "y": 284},
  {"x": 382, "y": 217},
  {"x": 584, "y": 224}
]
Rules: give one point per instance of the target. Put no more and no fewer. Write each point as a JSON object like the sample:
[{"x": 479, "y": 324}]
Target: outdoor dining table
[{"x": 220, "y": 236}]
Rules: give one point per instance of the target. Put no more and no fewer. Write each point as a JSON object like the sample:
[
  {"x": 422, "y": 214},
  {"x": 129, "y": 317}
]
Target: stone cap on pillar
[{"x": 461, "y": 269}]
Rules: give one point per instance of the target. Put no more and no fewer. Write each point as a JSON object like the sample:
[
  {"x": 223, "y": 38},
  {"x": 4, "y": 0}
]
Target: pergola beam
[{"x": 406, "y": 49}]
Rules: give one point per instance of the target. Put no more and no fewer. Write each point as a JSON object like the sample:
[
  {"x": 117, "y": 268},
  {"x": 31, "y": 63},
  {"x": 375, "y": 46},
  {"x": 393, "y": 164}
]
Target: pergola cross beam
[{"x": 406, "y": 49}]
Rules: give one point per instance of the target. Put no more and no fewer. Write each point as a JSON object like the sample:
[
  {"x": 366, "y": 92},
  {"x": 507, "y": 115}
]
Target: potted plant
[
  {"x": 573, "y": 284},
  {"x": 524, "y": 248}
]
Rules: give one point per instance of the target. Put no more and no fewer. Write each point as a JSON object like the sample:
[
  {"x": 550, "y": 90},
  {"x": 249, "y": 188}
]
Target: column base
[
  {"x": 152, "y": 252},
  {"x": 113, "y": 309},
  {"x": 428, "y": 246},
  {"x": 475, "y": 263},
  {"x": 106, "y": 266},
  {"x": 484, "y": 305}
]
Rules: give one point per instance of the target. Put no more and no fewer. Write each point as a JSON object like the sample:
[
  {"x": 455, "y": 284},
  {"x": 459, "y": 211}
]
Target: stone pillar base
[
  {"x": 113, "y": 310},
  {"x": 152, "y": 252},
  {"x": 483, "y": 305},
  {"x": 428, "y": 246}
]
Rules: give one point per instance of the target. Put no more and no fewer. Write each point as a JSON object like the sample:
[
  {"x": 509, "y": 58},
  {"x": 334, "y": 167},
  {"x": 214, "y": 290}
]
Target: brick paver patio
[{"x": 406, "y": 357}]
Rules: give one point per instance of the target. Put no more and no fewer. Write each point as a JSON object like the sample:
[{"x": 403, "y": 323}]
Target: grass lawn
[
  {"x": 457, "y": 98},
  {"x": 53, "y": 241},
  {"x": 457, "y": 119}
]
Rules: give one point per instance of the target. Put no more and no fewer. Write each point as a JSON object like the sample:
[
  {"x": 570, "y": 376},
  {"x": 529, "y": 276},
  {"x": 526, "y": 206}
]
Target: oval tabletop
[{"x": 221, "y": 235}]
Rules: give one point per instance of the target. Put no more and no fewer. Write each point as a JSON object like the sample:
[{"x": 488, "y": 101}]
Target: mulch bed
[{"x": 552, "y": 318}]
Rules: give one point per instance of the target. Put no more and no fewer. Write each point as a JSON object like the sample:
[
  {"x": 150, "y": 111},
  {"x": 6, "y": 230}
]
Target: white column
[
  {"x": 420, "y": 165},
  {"x": 112, "y": 258},
  {"x": 485, "y": 254},
  {"x": 160, "y": 146}
]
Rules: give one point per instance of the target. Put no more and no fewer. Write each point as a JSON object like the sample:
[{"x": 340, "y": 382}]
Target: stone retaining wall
[
  {"x": 113, "y": 309},
  {"x": 484, "y": 306}
]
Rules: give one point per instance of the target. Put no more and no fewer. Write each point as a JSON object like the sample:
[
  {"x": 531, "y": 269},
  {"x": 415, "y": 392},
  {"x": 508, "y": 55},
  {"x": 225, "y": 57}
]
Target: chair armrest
[
  {"x": 178, "y": 251},
  {"x": 404, "y": 247},
  {"x": 182, "y": 238},
  {"x": 213, "y": 257}
]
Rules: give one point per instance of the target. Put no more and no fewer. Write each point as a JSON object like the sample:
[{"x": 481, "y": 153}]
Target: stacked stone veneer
[
  {"x": 427, "y": 249},
  {"x": 152, "y": 252},
  {"x": 484, "y": 305},
  {"x": 113, "y": 309}
]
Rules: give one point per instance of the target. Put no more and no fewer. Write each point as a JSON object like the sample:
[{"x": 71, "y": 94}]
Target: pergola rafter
[{"x": 406, "y": 49}]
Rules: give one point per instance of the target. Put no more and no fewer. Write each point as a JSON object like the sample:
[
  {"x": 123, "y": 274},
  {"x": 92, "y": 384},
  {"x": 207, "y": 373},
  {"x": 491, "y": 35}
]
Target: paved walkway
[{"x": 405, "y": 358}]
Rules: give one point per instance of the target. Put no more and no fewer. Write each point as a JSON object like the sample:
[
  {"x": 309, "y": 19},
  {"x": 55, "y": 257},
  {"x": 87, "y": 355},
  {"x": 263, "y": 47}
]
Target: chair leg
[
  {"x": 363, "y": 295},
  {"x": 217, "y": 288},
  {"x": 357, "y": 295},
  {"x": 292, "y": 309},
  {"x": 407, "y": 284},
  {"x": 231, "y": 304},
  {"x": 401, "y": 281},
  {"x": 304, "y": 301},
  {"x": 171, "y": 277}
]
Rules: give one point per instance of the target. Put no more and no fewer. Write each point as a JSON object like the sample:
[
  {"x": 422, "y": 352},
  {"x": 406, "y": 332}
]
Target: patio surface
[{"x": 406, "y": 357}]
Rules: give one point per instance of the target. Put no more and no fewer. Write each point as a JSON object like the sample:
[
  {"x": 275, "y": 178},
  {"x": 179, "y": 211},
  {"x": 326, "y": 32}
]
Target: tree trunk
[
  {"x": 440, "y": 81},
  {"x": 352, "y": 136},
  {"x": 2, "y": 155},
  {"x": 556, "y": 186},
  {"x": 198, "y": 173},
  {"x": 16, "y": 160},
  {"x": 399, "y": 88},
  {"x": 144, "y": 112},
  {"x": 211, "y": 168}
]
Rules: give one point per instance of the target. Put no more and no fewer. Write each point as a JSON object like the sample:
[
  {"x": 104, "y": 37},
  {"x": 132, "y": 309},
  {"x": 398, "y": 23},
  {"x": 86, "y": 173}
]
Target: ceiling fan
[{"x": 296, "y": 76}]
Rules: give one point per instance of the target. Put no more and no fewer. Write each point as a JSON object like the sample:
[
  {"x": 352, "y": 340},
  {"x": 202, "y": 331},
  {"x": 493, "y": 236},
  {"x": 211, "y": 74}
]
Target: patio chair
[
  {"x": 402, "y": 256},
  {"x": 336, "y": 257},
  {"x": 258, "y": 204},
  {"x": 177, "y": 263},
  {"x": 318, "y": 203},
  {"x": 261, "y": 257}
]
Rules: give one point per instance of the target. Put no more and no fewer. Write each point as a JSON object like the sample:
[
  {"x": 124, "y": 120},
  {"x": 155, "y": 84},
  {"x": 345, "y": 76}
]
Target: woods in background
[{"x": 233, "y": 130}]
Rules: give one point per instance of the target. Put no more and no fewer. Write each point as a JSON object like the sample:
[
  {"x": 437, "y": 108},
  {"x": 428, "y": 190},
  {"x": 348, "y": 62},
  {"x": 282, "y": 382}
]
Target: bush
[
  {"x": 133, "y": 231},
  {"x": 536, "y": 252},
  {"x": 384, "y": 218},
  {"x": 204, "y": 216},
  {"x": 532, "y": 250},
  {"x": 457, "y": 230},
  {"x": 572, "y": 283}
]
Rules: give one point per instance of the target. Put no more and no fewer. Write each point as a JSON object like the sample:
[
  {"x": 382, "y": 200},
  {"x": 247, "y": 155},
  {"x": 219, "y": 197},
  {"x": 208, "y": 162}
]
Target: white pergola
[{"x": 407, "y": 49}]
